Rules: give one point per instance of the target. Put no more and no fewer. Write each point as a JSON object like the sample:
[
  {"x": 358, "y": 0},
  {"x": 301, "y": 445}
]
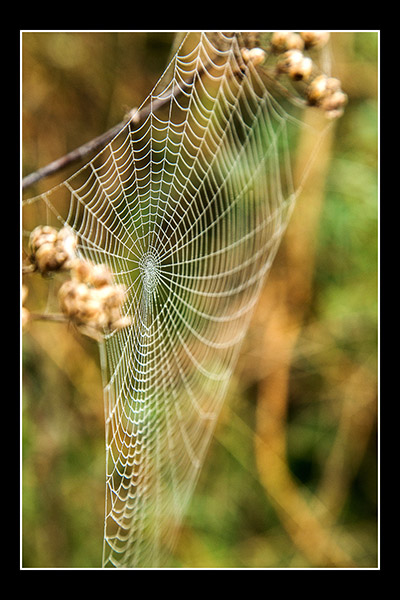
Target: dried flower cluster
[
  {"x": 90, "y": 298},
  {"x": 326, "y": 93},
  {"x": 52, "y": 250},
  {"x": 288, "y": 47},
  {"x": 314, "y": 39},
  {"x": 256, "y": 56},
  {"x": 296, "y": 65},
  {"x": 322, "y": 91}
]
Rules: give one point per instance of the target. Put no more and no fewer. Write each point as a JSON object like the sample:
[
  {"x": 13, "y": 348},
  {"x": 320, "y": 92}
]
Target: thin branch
[
  {"x": 102, "y": 140},
  {"x": 72, "y": 157},
  {"x": 57, "y": 317}
]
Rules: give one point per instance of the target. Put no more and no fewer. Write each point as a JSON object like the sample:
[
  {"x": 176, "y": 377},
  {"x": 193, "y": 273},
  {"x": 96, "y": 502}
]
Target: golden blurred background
[{"x": 291, "y": 479}]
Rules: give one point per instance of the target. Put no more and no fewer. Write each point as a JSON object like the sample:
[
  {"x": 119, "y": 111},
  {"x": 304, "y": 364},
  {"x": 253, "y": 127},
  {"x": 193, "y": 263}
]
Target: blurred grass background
[{"x": 291, "y": 478}]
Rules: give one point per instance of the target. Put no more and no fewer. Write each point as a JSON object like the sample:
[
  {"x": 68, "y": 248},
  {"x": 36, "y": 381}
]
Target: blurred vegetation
[{"x": 291, "y": 477}]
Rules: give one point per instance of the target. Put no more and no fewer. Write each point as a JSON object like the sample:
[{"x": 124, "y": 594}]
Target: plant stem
[
  {"x": 57, "y": 317},
  {"x": 101, "y": 140}
]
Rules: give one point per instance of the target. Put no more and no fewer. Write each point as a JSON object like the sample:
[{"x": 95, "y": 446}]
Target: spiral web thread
[{"x": 187, "y": 208}]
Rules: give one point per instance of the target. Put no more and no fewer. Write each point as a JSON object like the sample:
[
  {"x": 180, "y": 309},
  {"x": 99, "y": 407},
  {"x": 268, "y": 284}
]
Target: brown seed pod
[
  {"x": 66, "y": 245},
  {"x": 47, "y": 259},
  {"x": 334, "y": 104},
  {"x": 82, "y": 270},
  {"x": 321, "y": 87},
  {"x": 100, "y": 276},
  {"x": 326, "y": 93},
  {"x": 315, "y": 39},
  {"x": 112, "y": 295},
  {"x": 52, "y": 250},
  {"x": 256, "y": 56},
  {"x": 72, "y": 297},
  {"x": 296, "y": 65},
  {"x": 281, "y": 41},
  {"x": 41, "y": 235},
  {"x": 91, "y": 312}
]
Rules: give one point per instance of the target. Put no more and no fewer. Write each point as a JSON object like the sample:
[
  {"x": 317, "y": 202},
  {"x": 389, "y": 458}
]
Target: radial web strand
[{"x": 187, "y": 206}]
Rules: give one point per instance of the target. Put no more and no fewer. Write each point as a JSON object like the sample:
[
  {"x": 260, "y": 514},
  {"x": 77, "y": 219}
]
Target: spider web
[{"x": 187, "y": 207}]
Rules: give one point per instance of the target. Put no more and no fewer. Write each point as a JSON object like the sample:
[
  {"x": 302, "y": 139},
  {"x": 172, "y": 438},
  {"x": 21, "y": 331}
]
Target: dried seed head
[
  {"x": 334, "y": 104},
  {"x": 315, "y": 39},
  {"x": 113, "y": 296},
  {"x": 91, "y": 311},
  {"x": 296, "y": 65},
  {"x": 321, "y": 87},
  {"x": 282, "y": 41},
  {"x": 303, "y": 70},
  {"x": 95, "y": 307},
  {"x": 326, "y": 93},
  {"x": 100, "y": 276},
  {"x": 317, "y": 89},
  {"x": 52, "y": 250},
  {"x": 66, "y": 244},
  {"x": 43, "y": 234},
  {"x": 82, "y": 270},
  {"x": 46, "y": 258},
  {"x": 72, "y": 297},
  {"x": 256, "y": 56}
]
